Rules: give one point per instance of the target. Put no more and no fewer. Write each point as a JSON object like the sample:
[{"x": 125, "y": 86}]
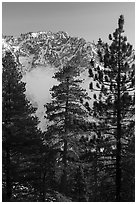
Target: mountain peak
[{"x": 48, "y": 47}]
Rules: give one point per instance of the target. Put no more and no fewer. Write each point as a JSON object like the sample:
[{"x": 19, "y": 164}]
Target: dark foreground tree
[
  {"x": 67, "y": 117},
  {"x": 20, "y": 141},
  {"x": 114, "y": 105}
]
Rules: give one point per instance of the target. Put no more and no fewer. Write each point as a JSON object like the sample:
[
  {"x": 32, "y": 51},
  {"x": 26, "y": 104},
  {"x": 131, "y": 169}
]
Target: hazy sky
[{"x": 89, "y": 20}]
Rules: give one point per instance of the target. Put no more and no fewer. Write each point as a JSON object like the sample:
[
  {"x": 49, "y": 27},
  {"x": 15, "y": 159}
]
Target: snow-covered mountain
[
  {"x": 41, "y": 54},
  {"x": 47, "y": 47}
]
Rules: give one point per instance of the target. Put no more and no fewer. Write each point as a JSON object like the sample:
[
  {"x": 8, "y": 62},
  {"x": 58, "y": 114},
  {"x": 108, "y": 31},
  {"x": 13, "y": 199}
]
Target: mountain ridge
[{"x": 50, "y": 47}]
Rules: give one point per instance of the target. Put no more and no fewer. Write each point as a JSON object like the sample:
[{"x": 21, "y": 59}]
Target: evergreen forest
[{"x": 87, "y": 151}]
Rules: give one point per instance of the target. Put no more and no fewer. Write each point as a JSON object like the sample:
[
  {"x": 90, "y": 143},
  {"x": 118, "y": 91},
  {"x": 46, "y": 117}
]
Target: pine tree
[
  {"x": 114, "y": 106},
  {"x": 92, "y": 160},
  {"x": 79, "y": 185},
  {"x": 48, "y": 181},
  {"x": 65, "y": 113},
  {"x": 20, "y": 139}
]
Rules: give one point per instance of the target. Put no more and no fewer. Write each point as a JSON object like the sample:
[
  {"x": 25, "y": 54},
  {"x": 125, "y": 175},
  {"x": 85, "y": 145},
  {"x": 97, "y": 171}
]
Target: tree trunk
[
  {"x": 64, "y": 176},
  {"x": 8, "y": 176},
  {"x": 118, "y": 165},
  {"x": 95, "y": 176},
  {"x": 43, "y": 187}
]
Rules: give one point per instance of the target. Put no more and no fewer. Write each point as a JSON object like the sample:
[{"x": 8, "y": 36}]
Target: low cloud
[{"x": 39, "y": 81}]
